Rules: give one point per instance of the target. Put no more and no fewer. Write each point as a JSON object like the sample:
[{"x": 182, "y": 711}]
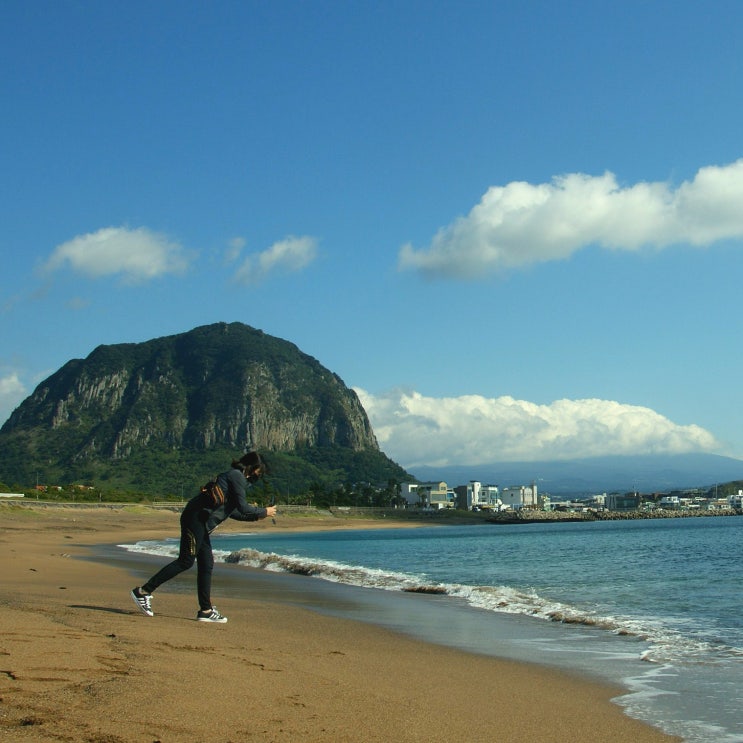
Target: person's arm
[
  {"x": 243, "y": 510},
  {"x": 255, "y": 514}
]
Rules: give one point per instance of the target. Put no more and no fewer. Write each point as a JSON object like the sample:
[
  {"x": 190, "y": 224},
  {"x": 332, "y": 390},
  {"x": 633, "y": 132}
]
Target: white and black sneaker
[
  {"x": 210, "y": 616},
  {"x": 143, "y": 601}
]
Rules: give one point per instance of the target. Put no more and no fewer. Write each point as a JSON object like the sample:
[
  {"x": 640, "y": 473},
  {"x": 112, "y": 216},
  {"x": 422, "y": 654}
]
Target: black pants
[{"x": 195, "y": 546}]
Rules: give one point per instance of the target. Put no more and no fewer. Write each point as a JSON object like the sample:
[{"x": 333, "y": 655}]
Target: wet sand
[{"x": 79, "y": 662}]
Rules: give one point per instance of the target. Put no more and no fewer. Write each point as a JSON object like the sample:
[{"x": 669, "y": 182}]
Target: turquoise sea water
[{"x": 652, "y": 604}]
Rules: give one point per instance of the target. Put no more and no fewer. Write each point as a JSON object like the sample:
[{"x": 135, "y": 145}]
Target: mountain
[
  {"x": 161, "y": 415},
  {"x": 648, "y": 474}
]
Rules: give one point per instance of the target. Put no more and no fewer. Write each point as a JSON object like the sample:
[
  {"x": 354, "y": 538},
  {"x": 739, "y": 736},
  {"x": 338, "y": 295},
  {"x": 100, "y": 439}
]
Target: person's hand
[{"x": 271, "y": 511}]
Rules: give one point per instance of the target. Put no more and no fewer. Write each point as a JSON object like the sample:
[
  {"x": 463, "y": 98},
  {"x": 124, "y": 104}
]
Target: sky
[{"x": 514, "y": 228}]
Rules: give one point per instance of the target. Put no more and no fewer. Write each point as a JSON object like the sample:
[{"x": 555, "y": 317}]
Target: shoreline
[{"x": 78, "y": 660}]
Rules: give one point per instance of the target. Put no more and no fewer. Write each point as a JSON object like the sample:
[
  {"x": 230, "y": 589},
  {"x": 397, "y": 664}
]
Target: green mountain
[{"x": 161, "y": 416}]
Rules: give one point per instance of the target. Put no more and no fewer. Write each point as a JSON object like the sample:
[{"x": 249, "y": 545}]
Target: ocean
[{"x": 653, "y": 605}]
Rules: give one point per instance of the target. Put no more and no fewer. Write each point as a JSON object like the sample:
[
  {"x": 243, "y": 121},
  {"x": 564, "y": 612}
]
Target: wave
[
  {"x": 162, "y": 548},
  {"x": 662, "y": 643}
]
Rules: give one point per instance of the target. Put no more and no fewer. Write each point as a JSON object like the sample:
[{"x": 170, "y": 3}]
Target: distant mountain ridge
[
  {"x": 164, "y": 412},
  {"x": 646, "y": 473}
]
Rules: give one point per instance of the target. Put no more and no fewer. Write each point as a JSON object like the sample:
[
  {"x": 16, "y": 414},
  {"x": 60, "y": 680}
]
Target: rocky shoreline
[{"x": 527, "y": 516}]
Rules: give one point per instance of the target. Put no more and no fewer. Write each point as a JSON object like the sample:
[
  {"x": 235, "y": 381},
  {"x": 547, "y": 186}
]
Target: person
[{"x": 199, "y": 518}]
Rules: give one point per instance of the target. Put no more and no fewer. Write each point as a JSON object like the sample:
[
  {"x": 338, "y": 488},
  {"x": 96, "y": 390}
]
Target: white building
[
  {"x": 670, "y": 502},
  {"x": 477, "y": 495},
  {"x": 483, "y": 496},
  {"x": 427, "y": 494},
  {"x": 520, "y": 496},
  {"x": 409, "y": 491},
  {"x": 736, "y": 501},
  {"x": 472, "y": 498},
  {"x": 490, "y": 496}
]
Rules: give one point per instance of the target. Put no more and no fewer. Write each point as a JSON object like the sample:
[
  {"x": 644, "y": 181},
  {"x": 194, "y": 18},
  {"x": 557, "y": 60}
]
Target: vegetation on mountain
[{"x": 160, "y": 417}]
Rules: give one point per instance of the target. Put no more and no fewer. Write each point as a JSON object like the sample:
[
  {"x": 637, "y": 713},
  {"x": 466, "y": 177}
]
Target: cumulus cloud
[
  {"x": 135, "y": 254},
  {"x": 520, "y": 223},
  {"x": 12, "y": 393},
  {"x": 290, "y": 255},
  {"x": 415, "y": 430}
]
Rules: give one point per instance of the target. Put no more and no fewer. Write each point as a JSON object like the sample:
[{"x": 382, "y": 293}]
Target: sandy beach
[{"x": 78, "y": 662}]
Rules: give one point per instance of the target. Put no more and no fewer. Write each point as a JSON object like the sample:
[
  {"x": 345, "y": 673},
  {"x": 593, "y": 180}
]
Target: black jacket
[{"x": 235, "y": 506}]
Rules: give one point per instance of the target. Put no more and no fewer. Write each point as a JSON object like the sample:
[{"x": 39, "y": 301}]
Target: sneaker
[
  {"x": 142, "y": 600},
  {"x": 211, "y": 616}
]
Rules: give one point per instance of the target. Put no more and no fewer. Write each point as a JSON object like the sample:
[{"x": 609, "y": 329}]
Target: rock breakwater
[{"x": 526, "y": 516}]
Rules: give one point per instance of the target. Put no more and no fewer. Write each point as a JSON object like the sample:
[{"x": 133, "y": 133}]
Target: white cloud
[
  {"x": 12, "y": 394},
  {"x": 415, "y": 430},
  {"x": 286, "y": 256},
  {"x": 137, "y": 255},
  {"x": 519, "y": 224}
]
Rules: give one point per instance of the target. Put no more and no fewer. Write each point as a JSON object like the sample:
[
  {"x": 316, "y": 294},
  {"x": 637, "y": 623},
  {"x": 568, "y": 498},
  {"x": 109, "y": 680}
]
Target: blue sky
[{"x": 514, "y": 228}]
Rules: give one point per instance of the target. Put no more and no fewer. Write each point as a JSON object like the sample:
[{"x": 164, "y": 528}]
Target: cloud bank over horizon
[
  {"x": 415, "y": 430},
  {"x": 520, "y": 224}
]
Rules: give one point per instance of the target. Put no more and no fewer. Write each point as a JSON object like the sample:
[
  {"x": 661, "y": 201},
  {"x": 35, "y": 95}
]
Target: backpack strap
[{"x": 213, "y": 493}]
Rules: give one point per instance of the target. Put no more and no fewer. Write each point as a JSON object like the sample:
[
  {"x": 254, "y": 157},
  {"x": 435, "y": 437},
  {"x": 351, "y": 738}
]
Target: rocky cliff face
[{"x": 223, "y": 385}]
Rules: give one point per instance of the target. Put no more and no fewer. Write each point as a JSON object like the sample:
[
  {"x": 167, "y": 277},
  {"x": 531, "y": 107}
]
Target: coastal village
[
  {"x": 475, "y": 496},
  {"x": 519, "y": 501}
]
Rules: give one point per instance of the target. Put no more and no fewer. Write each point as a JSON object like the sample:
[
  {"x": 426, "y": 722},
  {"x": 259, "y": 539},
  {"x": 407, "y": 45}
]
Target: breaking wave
[{"x": 664, "y": 644}]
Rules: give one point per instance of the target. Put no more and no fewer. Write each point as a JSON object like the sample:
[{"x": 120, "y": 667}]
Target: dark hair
[{"x": 249, "y": 461}]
